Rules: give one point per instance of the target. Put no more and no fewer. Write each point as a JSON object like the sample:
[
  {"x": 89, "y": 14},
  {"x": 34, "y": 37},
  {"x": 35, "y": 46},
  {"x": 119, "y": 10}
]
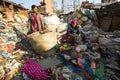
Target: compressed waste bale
[
  {"x": 2, "y": 72},
  {"x": 62, "y": 27},
  {"x": 104, "y": 40},
  {"x": 80, "y": 22},
  {"x": 84, "y": 18},
  {"x": 87, "y": 27},
  {"x": 116, "y": 39},
  {"x": 1, "y": 16},
  {"x": 81, "y": 48},
  {"x": 90, "y": 13},
  {"x": 51, "y": 20},
  {"x": 76, "y": 15},
  {"x": 43, "y": 42}
]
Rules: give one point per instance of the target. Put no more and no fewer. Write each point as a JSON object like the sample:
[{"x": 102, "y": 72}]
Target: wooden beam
[{"x": 4, "y": 5}]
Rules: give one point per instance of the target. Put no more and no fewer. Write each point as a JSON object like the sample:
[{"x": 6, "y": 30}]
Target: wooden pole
[
  {"x": 4, "y": 3},
  {"x": 62, "y": 7},
  {"x": 74, "y": 4}
]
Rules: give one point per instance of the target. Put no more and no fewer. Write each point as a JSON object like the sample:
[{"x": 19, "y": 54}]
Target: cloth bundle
[{"x": 34, "y": 71}]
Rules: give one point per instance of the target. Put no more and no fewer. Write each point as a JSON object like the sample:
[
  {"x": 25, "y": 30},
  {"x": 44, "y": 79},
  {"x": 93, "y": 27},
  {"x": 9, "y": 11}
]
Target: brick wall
[{"x": 49, "y": 6}]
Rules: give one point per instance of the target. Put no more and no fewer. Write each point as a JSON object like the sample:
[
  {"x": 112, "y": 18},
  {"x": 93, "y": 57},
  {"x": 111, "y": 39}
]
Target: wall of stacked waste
[
  {"x": 83, "y": 16},
  {"x": 13, "y": 45}
]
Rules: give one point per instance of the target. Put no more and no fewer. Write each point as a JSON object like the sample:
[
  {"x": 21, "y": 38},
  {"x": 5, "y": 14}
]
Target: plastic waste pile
[
  {"x": 95, "y": 58},
  {"x": 17, "y": 54},
  {"x": 13, "y": 45}
]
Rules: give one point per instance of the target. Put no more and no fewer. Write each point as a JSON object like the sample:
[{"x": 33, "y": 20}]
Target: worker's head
[
  {"x": 34, "y": 8},
  {"x": 10, "y": 6},
  {"x": 74, "y": 22}
]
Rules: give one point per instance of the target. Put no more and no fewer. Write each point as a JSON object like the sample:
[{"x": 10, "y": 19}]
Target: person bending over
[{"x": 74, "y": 32}]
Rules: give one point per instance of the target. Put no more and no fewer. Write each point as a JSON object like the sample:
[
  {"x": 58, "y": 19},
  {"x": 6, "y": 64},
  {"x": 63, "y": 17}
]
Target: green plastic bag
[{"x": 100, "y": 72}]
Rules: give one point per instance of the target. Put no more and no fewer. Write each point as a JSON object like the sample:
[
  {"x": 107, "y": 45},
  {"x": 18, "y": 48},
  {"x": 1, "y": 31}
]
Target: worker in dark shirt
[
  {"x": 75, "y": 32},
  {"x": 73, "y": 28}
]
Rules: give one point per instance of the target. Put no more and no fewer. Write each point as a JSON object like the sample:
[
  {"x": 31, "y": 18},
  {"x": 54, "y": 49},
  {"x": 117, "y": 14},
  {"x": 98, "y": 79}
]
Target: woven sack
[{"x": 43, "y": 42}]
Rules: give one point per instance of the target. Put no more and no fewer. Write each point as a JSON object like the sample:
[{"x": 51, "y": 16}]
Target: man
[
  {"x": 9, "y": 12},
  {"x": 42, "y": 8}
]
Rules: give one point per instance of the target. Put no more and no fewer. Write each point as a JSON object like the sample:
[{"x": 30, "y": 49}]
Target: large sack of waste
[
  {"x": 43, "y": 42},
  {"x": 62, "y": 27},
  {"x": 52, "y": 27},
  {"x": 52, "y": 22},
  {"x": 2, "y": 72}
]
